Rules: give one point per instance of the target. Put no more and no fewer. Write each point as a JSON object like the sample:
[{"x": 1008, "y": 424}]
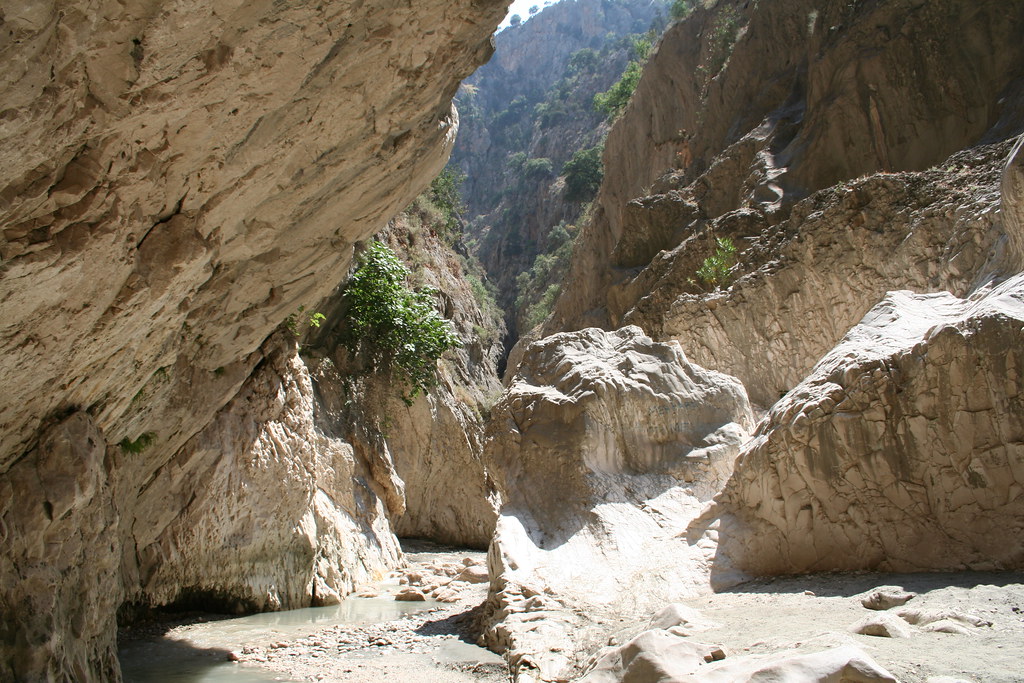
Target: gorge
[{"x": 185, "y": 186}]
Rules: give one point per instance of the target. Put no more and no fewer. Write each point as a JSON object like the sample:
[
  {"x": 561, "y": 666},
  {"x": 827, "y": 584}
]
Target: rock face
[
  {"x": 819, "y": 271},
  {"x": 821, "y": 139},
  {"x": 154, "y": 233},
  {"x": 902, "y": 450},
  {"x": 729, "y": 117},
  {"x": 263, "y": 509},
  {"x": 602, "y": 447},
  {"x": 430, "y": 450}
]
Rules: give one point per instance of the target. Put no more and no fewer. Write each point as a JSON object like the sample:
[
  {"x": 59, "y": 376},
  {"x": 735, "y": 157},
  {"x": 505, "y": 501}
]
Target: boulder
[
  {"x": 883, "y": 626},
  {"x": 885, "y": 597},
  {"x": 900, "y": 451},
  {"x": 603, "y": 447}
]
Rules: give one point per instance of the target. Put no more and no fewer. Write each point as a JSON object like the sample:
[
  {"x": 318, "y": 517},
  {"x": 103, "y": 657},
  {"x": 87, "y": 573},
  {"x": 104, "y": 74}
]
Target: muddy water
[{"x": 201, "y": 655}]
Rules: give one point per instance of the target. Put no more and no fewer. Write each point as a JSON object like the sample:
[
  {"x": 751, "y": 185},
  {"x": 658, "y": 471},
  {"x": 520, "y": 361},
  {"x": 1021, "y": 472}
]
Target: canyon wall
[
  {"x": 729, "y": 117},
  {"x": 178, "y": 179},
  {"x": 846, "y": 150}
]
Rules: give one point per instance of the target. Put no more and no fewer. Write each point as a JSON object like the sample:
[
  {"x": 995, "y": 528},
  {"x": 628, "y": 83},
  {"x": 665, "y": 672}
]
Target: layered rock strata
[
  {"x": 602, "y": 448},
  {"x": 177, "y": 180}
]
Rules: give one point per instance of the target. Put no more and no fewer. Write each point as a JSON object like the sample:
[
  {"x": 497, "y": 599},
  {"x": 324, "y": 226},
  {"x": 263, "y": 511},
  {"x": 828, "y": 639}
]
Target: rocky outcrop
[
  {"x": 730, "y": 117},
  {"x": 819, "y": 271},
  {"x": 264, "y": 509},
  {"x": 155, "y": 231},
  {"x": 902, "y": 450},
  {"x": 430, "y": 449},
  {"x": 56, "y": 517},
  {"x": 602, "y": 447}
]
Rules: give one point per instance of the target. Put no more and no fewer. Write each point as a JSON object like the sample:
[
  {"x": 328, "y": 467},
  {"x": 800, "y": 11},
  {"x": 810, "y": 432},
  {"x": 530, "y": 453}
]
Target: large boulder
[
  {"x": 602, "y": 448},
  {"x": 903, "y": 449}
]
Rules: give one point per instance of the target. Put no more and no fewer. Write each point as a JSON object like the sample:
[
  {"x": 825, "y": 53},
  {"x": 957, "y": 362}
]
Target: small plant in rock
[
  {"x": 717, "y": 268},
  {"x": 299, "y": 319},
  {"x": 392, "y": 328},
  {"x": 140, "y": 444}
]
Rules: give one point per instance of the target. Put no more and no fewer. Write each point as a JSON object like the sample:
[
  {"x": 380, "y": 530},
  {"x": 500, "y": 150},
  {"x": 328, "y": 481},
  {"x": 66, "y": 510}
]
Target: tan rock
[
  {"x": 410, "y": 595},
  {"x": 602, "y": 447},
  {"x": 155, "y": 231},
  {"x": 883, "y": 626},
  {"x": 896, "y": 452},
  {"x": 885, "y": 597}
]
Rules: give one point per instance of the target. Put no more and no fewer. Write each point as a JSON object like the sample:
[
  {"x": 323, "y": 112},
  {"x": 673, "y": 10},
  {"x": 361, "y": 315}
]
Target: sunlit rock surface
[
  {"x": 603, "y": 447},
  {"x": 903, "y": 450},
  {"x": 179, "y": 177}
]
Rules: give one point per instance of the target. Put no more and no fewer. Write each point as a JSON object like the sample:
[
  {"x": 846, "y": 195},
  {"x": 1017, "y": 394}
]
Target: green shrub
[
  {"x": 681, "y": 9},
  {"x": 716, "y": 269},
  {"x": 583, "y": 174},
  {"x": 612, "y": 102},
  {"x": 445, "y": 195},
  {"x": 390, "y": 327},
  {"x": 140, "y": 444},
  {"x": 536, "y": 169},
  {"x": 538, "y": 288},
  {"x": 297, "y": 320}
]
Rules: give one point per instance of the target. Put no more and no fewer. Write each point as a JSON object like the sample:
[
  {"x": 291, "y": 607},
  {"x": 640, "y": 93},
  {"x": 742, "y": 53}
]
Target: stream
[{"x": 361, "y": 639}]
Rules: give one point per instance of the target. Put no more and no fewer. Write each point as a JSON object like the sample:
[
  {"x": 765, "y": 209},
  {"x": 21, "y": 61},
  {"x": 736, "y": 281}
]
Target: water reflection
[{"x": 199, "y": 654}]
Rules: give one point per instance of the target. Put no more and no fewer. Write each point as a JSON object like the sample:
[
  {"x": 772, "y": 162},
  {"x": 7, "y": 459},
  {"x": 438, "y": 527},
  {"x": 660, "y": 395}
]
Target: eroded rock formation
[
  {"x": 730, "y": 118},
  {"x": 903, "y": 449},
  {"x": 178, "y": 178},
  {"x": 818, "y": 139},
  {"x": 602, "y": 446}
]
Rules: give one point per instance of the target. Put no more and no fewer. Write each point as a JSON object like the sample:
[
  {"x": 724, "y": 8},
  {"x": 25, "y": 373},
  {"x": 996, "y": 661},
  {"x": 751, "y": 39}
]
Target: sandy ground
[
  {"x": 803, "y": 614},
  {"x": 814, "y": 612}
]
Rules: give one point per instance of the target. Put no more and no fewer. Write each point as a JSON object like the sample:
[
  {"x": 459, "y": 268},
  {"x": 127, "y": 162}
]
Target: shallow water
[{"x": 201, "y": 657}]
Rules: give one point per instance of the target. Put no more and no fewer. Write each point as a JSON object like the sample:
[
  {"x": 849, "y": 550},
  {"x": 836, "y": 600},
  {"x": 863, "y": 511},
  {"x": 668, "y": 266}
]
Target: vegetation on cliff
[{"x": 392, "y": 327}]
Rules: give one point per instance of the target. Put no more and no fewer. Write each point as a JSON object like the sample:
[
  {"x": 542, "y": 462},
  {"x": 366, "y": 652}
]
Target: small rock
[
  {"x": 717, "y": 654},
  {"x": 810, "y": 593},
  {"x": 882, "y": 625},
  {"x": 474, "y": 574},
  {"x": 885, "y": 597},
  {"x": 233, "y": 656},
  {"x": 410, "y": 595},
  {"x": 947, "y": 626}
]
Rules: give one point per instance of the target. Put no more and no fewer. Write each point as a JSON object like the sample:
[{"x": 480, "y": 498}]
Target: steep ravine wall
[
  {"x": 178, "y": 178},
  {"x": 730, "y": 117}
]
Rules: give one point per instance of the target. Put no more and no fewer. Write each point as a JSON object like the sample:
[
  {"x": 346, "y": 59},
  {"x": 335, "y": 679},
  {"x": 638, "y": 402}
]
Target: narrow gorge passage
[{"x": 694, "y": 329}]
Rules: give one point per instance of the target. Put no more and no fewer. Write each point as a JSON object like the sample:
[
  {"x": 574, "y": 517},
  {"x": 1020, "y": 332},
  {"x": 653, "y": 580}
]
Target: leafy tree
[
  {"x": 538, "y": 168},
  {"x": 583, "y": 174},
  {"x": 515, "y": 20},
  {"x": 445, "y": 195},
  {"x": 534, "y": 10},
  {"x": 391, "y": 327}
]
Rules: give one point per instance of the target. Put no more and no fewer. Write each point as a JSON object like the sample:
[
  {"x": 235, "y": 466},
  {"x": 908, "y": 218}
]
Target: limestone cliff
[
  {"x": 178, "y": 178},
  {"x": 747, "y": 108},
  {"x": 524, "y": 114},
  {"x": 603, "y": 447}
]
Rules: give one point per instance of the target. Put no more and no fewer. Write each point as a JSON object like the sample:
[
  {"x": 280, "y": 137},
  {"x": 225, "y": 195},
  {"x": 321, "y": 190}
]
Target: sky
[{"x": 522, "y": 8}]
